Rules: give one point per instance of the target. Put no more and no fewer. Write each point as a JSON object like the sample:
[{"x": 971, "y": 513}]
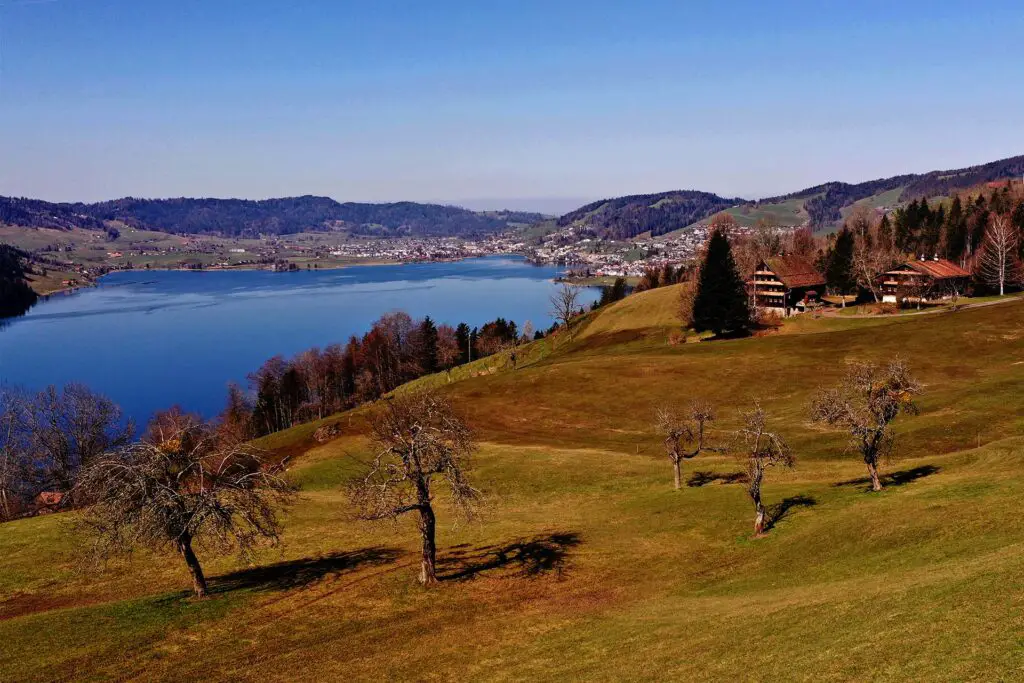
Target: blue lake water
[{"x": 152, "y": 339}]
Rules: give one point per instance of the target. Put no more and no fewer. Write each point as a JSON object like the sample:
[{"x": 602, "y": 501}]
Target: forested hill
[
  {"x": 626, "y": 217},
  {"x": 237, "y": 217},
  {"x": 822, "y": 205}
]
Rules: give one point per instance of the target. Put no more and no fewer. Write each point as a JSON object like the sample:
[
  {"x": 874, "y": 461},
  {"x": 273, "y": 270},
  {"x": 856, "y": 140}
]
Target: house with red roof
[
  {"x": 923, "y": 280},
  {"x": 787, "y": 284}
]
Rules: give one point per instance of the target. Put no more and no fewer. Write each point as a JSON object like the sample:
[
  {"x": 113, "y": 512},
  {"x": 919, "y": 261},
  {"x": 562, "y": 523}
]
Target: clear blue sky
[{"x": 497, "y": 102}]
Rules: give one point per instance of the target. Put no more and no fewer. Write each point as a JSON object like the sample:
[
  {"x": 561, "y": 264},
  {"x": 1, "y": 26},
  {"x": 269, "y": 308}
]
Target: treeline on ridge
[
  {"x": 249, "y": 218},
  {"x": 627, "y": 217}
]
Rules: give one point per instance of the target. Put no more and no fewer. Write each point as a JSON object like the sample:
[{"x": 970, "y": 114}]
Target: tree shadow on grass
[
  {"x": 894, "y": 478},
  {"x": 528, "y": 558},
  {"x": 778, "y": 512},
  {"x": 301, "y": 573},
  {"x": 703, "y": 478}
]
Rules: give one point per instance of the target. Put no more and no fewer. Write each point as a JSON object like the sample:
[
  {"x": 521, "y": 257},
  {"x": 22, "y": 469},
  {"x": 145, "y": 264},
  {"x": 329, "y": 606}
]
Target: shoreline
[{"x": 255, "y": 267}]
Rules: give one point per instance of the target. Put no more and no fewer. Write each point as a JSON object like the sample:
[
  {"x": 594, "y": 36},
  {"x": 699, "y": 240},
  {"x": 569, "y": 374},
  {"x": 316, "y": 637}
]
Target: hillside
[
  {"x": 587, "y": 565},
  {"x": 625, "y": 217},
  {"x": 239, "y": 217},
  {"x": 821, "y": 206},
  {"x": 824, "y": 205}
]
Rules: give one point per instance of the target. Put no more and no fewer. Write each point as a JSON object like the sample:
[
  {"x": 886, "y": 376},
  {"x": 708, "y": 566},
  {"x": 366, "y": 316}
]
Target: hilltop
[
  {"x": 248, "y": 218},
  {"x": 587, "y": 564},
  {"x": 821, "y": 206}
]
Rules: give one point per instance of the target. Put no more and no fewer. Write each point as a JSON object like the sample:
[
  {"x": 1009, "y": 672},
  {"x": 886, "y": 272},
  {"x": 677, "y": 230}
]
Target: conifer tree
[
  {"x": 885, "y": 237},
  {"x": 955, "y": 238},
  {"x": 428, "y": 345},
  {"x": 721, "y": 301},
  {"x": 462, "y": 337},
  {"x": 839, "y": 275}
]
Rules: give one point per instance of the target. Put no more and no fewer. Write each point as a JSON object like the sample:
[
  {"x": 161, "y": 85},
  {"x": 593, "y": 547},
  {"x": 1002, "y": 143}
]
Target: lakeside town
[{"x": 67, "y": 260}]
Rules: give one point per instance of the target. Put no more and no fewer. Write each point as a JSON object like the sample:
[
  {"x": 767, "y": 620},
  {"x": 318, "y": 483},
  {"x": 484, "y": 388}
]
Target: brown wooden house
[
  {"x": 786, "y": 284},
  {"x": 923, "y": 280}
]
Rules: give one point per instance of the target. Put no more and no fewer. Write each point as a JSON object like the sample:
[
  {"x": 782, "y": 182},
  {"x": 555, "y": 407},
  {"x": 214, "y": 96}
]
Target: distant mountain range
[
  {"x": 241, "y": 217},
  {"x": 821, "y": 206}
]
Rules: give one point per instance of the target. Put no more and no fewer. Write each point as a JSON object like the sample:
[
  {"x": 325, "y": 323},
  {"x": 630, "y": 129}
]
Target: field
[{"x": 587, "y": 565}]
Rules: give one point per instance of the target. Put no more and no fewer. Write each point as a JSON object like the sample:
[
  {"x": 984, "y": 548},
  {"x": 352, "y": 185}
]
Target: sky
[{"x": 491, "y": 104}]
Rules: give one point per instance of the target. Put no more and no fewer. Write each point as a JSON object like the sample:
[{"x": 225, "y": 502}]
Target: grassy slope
[{"x": 587, "y": 565}]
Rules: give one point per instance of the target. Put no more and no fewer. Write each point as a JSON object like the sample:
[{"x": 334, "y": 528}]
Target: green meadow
[{"x": 586, "y": 564}]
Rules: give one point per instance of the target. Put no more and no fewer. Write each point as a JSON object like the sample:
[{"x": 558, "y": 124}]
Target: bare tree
[
  {"x": 760, "y": 449},
  {"x": 448, "y": 351},
  {"x": 518, "y": 340},
  {"x": 865, "y": 402},
  {"x": 564, "y": 306},
  {"x": 185, "y": 490},
  {"x": 418, "y": 437},
  {"x": 871, "y": 258},
  {"x": 13, "y": 457},
  {"x": 67, "y": 428},
  {"x": 998, "y": 264},
  {"x": 685, "y": 433}
]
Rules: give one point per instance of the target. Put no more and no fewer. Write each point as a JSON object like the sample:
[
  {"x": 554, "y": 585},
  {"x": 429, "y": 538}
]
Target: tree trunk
[
  {"x": 196, "y": 571},
  {"x": 759, "y": 519},
  {"x": 876, "y": 484},
  {"x": 428, "y": 570},
  {"x": 679, "y": 476}
]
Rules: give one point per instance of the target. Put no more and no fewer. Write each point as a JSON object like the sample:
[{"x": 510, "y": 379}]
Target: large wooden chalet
[
  {"x": 786, "y": 284},
  {"x": 923, "y": 280}
]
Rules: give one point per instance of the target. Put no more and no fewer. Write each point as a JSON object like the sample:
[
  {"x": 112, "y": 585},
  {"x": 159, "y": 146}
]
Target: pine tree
[
  {"x": 955, "y": 238},
  {"x": 428, "y": 346},
  {"x": 885, "y": 233},
  {"x": 462, "y": 337},
  {"x": 721, "y": 301},
  {"x": 839, "y": 272}
]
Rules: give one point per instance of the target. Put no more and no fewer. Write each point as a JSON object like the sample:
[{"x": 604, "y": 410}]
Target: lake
[{"x": 151, "y": 339}]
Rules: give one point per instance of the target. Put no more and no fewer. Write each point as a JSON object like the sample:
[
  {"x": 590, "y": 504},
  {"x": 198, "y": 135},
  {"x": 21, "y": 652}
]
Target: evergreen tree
[
  {"x": 428, "y": 346},
  {"x": 955, "y": 238},
  {"x": 462, "y": 337},
  {"x": 839, "y": 275},
  {"x": 721, "y": 301},
  {"x": 905, "y": 234},
  {"x": 885, "y": 237},
  {"x": 931, "y": 233}
]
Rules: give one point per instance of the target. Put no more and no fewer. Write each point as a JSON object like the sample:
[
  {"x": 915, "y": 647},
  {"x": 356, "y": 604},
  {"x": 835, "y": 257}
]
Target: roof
[
  {"x": 795, "y": 271},
  {"x": 940, "y": 269}
]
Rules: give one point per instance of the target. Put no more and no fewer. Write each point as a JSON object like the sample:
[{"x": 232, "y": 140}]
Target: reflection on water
[{"x": 155, "y": 338}]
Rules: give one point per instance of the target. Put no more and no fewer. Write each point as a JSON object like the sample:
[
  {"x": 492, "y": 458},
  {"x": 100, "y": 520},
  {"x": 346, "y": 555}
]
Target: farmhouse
[
  {"x": 923, "y": 280},
  {"x": 786, "y": 284}
]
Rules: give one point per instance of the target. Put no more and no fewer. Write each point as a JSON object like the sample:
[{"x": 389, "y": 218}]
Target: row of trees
[
  {"x": 864, "y": 404},
  {"x": 16, "y": 296},
  {"x": 396, "y": 350}
]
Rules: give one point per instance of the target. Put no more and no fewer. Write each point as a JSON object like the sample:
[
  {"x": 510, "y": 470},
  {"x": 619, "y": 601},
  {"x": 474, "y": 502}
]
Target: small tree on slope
[
  {"x": 685, "y": 433},
  {"x": 418, "y": 437},
  {"x": 760, "y": 449},
  {"x": 865, "y": 402},
  {"x": 720, "y": 304},
  {"x": 184, "y": 490}
]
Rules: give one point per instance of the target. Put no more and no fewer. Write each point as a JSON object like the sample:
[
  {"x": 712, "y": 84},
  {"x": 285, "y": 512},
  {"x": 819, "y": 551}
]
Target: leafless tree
[
  {"x": 564, "y": 306},
  {"x": 179, "y": 489},
  {"x": 684, "y": 432},
  {"x": 517, "y": 341},
  {"x": 13, "y": 457},
  {"x": 418, "y": 437},
  {"x": 760, "y": 449},
  {"x": 871, "y": 258},
  {"x": 448, "y": 351},
  {"x": 865, "y": 402},
  {"x": 67, "y": 428},
  {"x": 998, "y": 264}
]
